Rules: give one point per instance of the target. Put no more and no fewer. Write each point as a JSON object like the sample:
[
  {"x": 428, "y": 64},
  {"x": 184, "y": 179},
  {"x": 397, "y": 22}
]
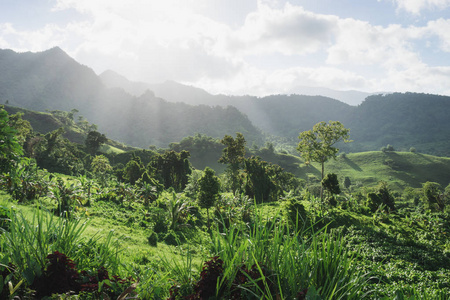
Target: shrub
[
  {"x": 171, "y": 238},
  {"x": 412, "y": 150},
  {"x": 60, "y": 276},
  {"x": 160, "y": 225},
  {"x": 295, "y": 212},
  {"x": 5, "y": 218},
  {"x": 153, "y": 239},
  {"x": 389, "y": 147}
]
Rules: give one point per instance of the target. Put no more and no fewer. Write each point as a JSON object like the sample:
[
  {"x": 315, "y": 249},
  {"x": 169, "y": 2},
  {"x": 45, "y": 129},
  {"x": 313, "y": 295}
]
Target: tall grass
[
  {"x": 289, "y": 261},
  {"x": 28, "y": 241}
]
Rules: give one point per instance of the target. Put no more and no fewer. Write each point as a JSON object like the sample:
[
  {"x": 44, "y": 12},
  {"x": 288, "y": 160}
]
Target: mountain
[
  {"x": 177, "y": 92},
  {"x": 403, "y": 120},
  {"x": 351, "y": 97},
  {"x": 165, "y": 113},
  {"x": 52, "y": 80},
  {"x": 46, "y": 80}
]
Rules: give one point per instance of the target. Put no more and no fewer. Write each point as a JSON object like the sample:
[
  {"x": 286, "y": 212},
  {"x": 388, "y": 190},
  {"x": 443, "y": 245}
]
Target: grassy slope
[{"x": 399, "y": 169}]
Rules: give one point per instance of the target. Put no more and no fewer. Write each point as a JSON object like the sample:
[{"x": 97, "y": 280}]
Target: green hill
[{"x": 399, "y": 169}]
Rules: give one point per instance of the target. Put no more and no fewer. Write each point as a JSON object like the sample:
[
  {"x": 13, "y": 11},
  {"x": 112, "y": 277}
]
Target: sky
[{"x": 246, "y": 47}]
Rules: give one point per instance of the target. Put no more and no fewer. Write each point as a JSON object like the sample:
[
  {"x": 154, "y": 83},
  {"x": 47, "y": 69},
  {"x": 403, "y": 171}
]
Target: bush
[
  {"x": 172, "y": 238},
  {"x": 160, "y": 224},
  {"x": 295, "y": 212},
  {"x": 5, "y": 218},
  {"x": 390, "y": 148},
  {"x": 153, "y": 239}
]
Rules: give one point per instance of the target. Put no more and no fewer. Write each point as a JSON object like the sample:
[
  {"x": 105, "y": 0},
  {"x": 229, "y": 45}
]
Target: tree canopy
[
  {"x": 318, "y": 144},
  {"x": 233, "y": 154}
]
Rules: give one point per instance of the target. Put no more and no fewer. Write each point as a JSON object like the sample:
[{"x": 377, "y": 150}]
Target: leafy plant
[
  {"x": 25, "y": 182},
  {"x": 67, "y": 194}
]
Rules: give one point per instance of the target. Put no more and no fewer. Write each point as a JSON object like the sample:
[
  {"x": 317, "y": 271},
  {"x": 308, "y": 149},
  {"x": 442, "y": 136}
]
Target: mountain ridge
[{"x": 52, "y": 80}]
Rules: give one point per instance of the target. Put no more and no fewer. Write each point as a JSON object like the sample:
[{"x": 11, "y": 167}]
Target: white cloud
[
  {"x": 158, "y": 40},
  {"x": 416, "y": 6},
  {"x": 36, "y": 40},
  {"x": 441, "y": 29},
  {"x": 290, "y": 30}
]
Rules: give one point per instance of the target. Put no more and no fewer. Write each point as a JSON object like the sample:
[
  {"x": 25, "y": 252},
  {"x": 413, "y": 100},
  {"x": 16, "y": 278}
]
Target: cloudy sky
[{"x": 254, "y": 47}]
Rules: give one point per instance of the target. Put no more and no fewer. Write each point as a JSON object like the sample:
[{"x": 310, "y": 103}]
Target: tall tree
[
  {"x": 209, "y": 188},
  {"x": 233, "y": 154},
  {"x": 318, "y": 144}
]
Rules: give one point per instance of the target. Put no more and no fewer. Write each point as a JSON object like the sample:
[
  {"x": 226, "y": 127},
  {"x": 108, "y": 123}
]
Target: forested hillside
[
  {"x": 403, "y": 120},
  {"x": 51, "y": 80}
]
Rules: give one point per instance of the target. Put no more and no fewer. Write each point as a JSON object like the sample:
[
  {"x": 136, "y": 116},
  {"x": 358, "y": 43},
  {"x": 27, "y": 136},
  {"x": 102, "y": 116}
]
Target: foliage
[
  {"x": 434, "y": 196},
  {"x": 233, "y": 209},
  {"x": 60, "y": 276},
  {"x": 192, "y": 186},
  {"x": 25, "y": 182},
  {"x": 57, "y": 154},
  {"x": 317, "y": 144},
  {"x": 93, "y": 141},
  {"x": 294, "y": 264},
  {"x": 153, "y": 239},
  {"x": 10, "y": 149},
  {"x": 263, "y": 181},
  {"x": 233, "y": 155},
  {"x": 331, "y": 184},
  {"x": 172, "y": 169},
  {"x": 178, "y": 208},
  {"x": 209, "y": 188},
  {"x": 67, "y": 194},
  {"x": 4, "y": 218},
  {"x": 101, "y": 168},
  {"x": 295, "y": 212},
  {"x": 381, "y": 196}
]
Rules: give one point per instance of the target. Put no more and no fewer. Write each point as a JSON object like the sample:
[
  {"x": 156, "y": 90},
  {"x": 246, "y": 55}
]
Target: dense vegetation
[{"x": 83, "y": 221}]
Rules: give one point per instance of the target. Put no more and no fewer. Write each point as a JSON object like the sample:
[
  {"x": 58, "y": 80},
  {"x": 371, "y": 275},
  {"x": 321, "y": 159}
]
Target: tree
[
  {"x": 262, "y": 179},
  {"x": 93, "y": 141},
  {"x": 382, "y": 195},
  {"x": 133, "y": 170},
  {"x": 347, "y": 182},
  {"x": 317, "y": 144},
  {"x": 101, "y": 168},
  {"x": 331, "y": 184},
  {"x": 10, "y": 149},
  {"x": 432, "y": 192},
  {"x": 172, "y": 169},
  {"x": 209, "y": 188},
  {"x": 233, "y": 154}
]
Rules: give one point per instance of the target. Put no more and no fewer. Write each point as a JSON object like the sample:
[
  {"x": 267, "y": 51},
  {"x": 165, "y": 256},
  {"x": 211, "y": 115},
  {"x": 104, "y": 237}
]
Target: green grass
[
  {"x": 399, "y": 169},
  {"x": 110, "y": 149}
]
